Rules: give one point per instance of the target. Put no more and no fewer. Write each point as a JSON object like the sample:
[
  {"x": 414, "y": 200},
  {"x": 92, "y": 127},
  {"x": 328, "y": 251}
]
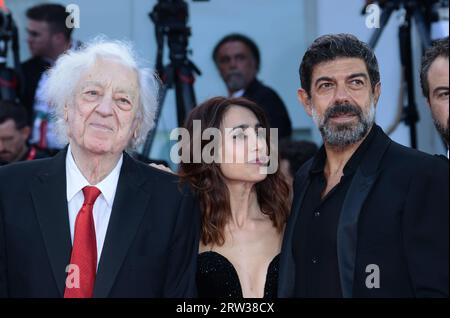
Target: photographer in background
[{"x": 14, "y": 133}]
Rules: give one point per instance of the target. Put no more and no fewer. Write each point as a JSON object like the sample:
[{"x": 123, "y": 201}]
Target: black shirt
[{"x": 315, "y": 240}]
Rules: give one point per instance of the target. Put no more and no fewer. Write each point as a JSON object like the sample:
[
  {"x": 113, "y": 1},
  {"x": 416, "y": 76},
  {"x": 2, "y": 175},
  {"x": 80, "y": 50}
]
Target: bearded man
[{"x": 370, "y": 217}]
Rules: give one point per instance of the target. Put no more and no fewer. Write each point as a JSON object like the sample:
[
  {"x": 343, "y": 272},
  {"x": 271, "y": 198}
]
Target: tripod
[
  {"x": 9, "y": 78},
  {"x": 413, "y": 10},
  {"x": 170, "y": 18}
]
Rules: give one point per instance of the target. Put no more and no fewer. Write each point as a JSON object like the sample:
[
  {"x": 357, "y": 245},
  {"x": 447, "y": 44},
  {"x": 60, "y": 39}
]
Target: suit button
[
  {"x": 315, "y": 260},
  {"x": 317, "y": 214}
]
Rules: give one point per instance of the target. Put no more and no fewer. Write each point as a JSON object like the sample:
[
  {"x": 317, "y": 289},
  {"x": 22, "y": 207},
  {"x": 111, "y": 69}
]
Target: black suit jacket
[
  {"x": 395, "y": 215},
  {"x": 272, "y": 104},
  {"x": 150, "y": 247},
  {"x": 32, "y": 70}
]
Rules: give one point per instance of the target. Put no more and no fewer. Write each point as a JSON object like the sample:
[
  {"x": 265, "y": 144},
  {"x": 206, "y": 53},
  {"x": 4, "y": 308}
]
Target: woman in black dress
[{"x": 244, "y": 208}]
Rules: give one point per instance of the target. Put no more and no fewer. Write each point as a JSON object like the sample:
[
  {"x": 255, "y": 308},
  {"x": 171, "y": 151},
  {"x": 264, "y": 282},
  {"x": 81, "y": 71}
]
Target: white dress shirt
[
  {"x": 102, "y": 206},
  {"x": 238, "y": 93}
]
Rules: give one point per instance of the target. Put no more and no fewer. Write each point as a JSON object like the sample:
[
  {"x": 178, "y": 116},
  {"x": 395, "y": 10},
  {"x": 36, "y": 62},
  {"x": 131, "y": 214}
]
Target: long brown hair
[{"x": 208, "y": 182}]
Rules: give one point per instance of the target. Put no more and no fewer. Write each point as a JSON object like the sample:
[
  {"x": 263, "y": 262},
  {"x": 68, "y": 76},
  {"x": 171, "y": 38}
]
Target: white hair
[{"x": 63, "y": 78}]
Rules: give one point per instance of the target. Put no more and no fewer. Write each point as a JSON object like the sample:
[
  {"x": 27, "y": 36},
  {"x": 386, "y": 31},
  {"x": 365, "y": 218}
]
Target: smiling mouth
[{"x": 101, "y": 127}]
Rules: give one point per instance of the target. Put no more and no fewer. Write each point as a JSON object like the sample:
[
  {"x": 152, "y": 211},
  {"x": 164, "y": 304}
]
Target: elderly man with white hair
[{"x": 92, "y": 221}]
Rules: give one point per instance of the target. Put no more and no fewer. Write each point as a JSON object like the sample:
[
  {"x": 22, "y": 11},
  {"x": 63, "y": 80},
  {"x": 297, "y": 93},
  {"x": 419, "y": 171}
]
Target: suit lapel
[
  {"x": 347, "y": 233},
  {"x": 127, "y": 212},
  {"x": 49, "y": 195},
  {"x": 287, "y": 264}
]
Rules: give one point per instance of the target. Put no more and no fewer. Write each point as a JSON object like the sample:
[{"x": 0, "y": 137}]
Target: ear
[
  {"x": 137, "y": 126},
  {"x": 59, "y": 37},
  {"x": 25, "y": 132},
  {"x": 305, "y": 100},
  {"x": 377, "y": 93}
]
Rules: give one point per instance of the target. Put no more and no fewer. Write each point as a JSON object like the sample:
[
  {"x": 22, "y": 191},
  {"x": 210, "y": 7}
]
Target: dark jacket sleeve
[
  {"x": 425, "y": 230},
  {"x": 277, "y": 113},
  {"x": 182, "y": 264},
  {"x": 3, "y": 266}
]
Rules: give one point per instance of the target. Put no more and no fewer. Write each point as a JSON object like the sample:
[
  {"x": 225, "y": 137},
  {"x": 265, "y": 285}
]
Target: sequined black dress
[{"x": 217, "y": 277}]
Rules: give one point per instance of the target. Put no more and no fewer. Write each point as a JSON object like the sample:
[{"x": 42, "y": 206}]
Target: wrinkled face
[
  {"x": 342, "y": 103},
  {"x": 12, "y": 141},
  {"x": 236, "y": 64},
  {"x": 438, "y": 99},
  {"x": 102, "y": 119},
  {"x": 40, "y": 38},
  {"x": 244, "y": 147}
]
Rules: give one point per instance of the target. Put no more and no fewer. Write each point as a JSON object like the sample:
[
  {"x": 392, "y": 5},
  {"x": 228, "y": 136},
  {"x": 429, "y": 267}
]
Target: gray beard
[
  {"x": 235, "y": 81},
  {"x": 343, "y": 135}
]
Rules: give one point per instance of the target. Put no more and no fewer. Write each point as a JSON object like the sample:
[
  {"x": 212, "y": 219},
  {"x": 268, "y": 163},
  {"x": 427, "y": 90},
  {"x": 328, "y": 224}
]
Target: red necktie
[{"x": 84, "y": 251}]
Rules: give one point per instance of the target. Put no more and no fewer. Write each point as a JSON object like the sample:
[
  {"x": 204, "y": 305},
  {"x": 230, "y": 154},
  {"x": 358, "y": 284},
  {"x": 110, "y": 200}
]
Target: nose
[
  {"x": 257, "y": 141},
  {"x": 342, "y": 95},
  {"x": 106, "y": 105},
  {"x": 233, "y": 63}
]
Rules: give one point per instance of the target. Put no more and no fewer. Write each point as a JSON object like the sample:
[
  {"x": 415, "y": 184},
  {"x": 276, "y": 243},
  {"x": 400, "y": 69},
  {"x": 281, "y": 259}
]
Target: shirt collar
[
  {"x": 238, "y": 93},
  {"x": 76, "y": 181}
]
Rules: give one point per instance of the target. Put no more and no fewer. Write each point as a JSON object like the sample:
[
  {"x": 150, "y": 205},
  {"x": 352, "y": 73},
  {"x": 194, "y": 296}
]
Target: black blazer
[
  {"x": 272, "y": 104},
  {"x": 150, "y": 247},
  {"x": 395, "y": 215}
]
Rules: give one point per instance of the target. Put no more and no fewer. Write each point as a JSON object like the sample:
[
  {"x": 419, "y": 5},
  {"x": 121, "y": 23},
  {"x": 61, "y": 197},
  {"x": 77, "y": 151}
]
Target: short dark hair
[
  {"x": 439, "y": 48},
  {"x": 239, "y": 38},
  {"x": 54, "y": 14},
  {"x": 297, "y": 152},
  {"x": 14, "y": 111},
  {"x": 332, "y": 46}
]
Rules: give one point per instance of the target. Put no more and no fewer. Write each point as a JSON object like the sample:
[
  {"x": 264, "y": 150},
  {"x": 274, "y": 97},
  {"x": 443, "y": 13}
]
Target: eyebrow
[
  {"x": 358, "y": 75},
  {"x": 245, "y": 126},
  {"x": 440, "y": 88},
  {"x": 330, "y": 79},
  {"x": 88, "y": 83},
  {"x": 99, "y": 84}
]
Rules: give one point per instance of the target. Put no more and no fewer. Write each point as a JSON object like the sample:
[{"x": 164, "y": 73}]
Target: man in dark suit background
[
  {"x": 238, "y": 60},
  {"x": 92, "y": 221},
  {"x": 370, "y": 217}
]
